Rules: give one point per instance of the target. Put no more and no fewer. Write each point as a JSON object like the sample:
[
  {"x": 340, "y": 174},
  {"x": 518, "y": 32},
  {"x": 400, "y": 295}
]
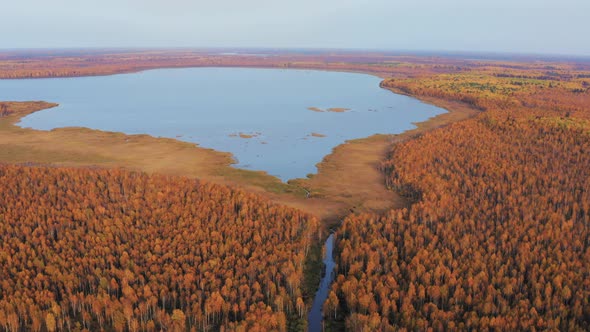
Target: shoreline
[
  {"x": 140, "y": 70},
  {"x": 330, "y": 194},
  {"x": 348, "y": 179}
]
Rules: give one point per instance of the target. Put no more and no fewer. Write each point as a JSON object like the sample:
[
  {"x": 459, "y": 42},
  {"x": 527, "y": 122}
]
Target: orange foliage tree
[
  {"x": 498, "y": 235},
  {"x": 117, "y": 250}
]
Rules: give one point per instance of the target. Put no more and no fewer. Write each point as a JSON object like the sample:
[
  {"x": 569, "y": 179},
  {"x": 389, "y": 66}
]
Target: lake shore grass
[{"x": 348, "y": 180}]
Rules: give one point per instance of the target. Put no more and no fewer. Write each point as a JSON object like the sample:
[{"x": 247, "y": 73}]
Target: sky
[{"x": 515, "y": 26}]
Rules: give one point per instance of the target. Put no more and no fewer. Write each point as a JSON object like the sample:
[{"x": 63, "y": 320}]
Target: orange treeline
[
  {"x": 561, "y": 88},
  {"x": 499, "y": 234},
  {"x": 73, "y": 64},
  {"x": 117, "y": 250},
  {"x": 56, "y": 63}
]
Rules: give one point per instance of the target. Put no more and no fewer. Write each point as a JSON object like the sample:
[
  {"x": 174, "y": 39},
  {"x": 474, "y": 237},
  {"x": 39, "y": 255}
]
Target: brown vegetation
[
  {"x": 86, "y": 147},
  {"x": 498, "y": 236},
  {"x": 331, "y": 109},
  {"x": 337, "y": 109},
  {"x": 315, "y": 109},
  {"x": 251, "y": 135},
  {"x": 110, "y": 249},
  {"x": 493, "y": 231},
  {"x": 37, "y": 64},
  {"x": 347, "y": 179}
]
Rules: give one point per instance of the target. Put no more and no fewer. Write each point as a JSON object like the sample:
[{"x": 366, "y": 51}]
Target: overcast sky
[{"x": 521, "y": 26}]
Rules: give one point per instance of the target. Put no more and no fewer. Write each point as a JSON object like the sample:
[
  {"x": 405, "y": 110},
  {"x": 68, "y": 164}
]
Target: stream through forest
[{"x": 315, "y": 315}]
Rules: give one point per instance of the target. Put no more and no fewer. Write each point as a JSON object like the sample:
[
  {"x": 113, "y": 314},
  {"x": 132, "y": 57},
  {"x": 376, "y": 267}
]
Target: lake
[{"x": 280, "y": 121}]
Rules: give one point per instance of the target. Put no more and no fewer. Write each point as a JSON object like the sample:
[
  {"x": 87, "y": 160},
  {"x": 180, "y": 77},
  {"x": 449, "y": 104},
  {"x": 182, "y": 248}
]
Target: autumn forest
[{"x": 489, "y": 229}]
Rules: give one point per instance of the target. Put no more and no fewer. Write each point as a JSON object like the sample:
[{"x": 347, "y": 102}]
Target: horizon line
[{"x": 387, "y": 51}]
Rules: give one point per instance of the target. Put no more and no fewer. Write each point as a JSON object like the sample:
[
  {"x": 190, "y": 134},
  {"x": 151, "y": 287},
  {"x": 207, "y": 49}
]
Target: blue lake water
[{"x": 213, "y": 106}]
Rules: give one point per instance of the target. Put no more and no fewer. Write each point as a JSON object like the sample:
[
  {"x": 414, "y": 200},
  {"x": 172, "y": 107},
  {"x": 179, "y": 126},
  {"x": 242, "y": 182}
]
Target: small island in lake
[{"x": 331, "y": 109}]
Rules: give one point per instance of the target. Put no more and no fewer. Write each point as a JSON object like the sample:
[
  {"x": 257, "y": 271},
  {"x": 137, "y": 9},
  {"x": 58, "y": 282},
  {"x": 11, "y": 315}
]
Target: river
[{"x": 315, "y": 315}]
